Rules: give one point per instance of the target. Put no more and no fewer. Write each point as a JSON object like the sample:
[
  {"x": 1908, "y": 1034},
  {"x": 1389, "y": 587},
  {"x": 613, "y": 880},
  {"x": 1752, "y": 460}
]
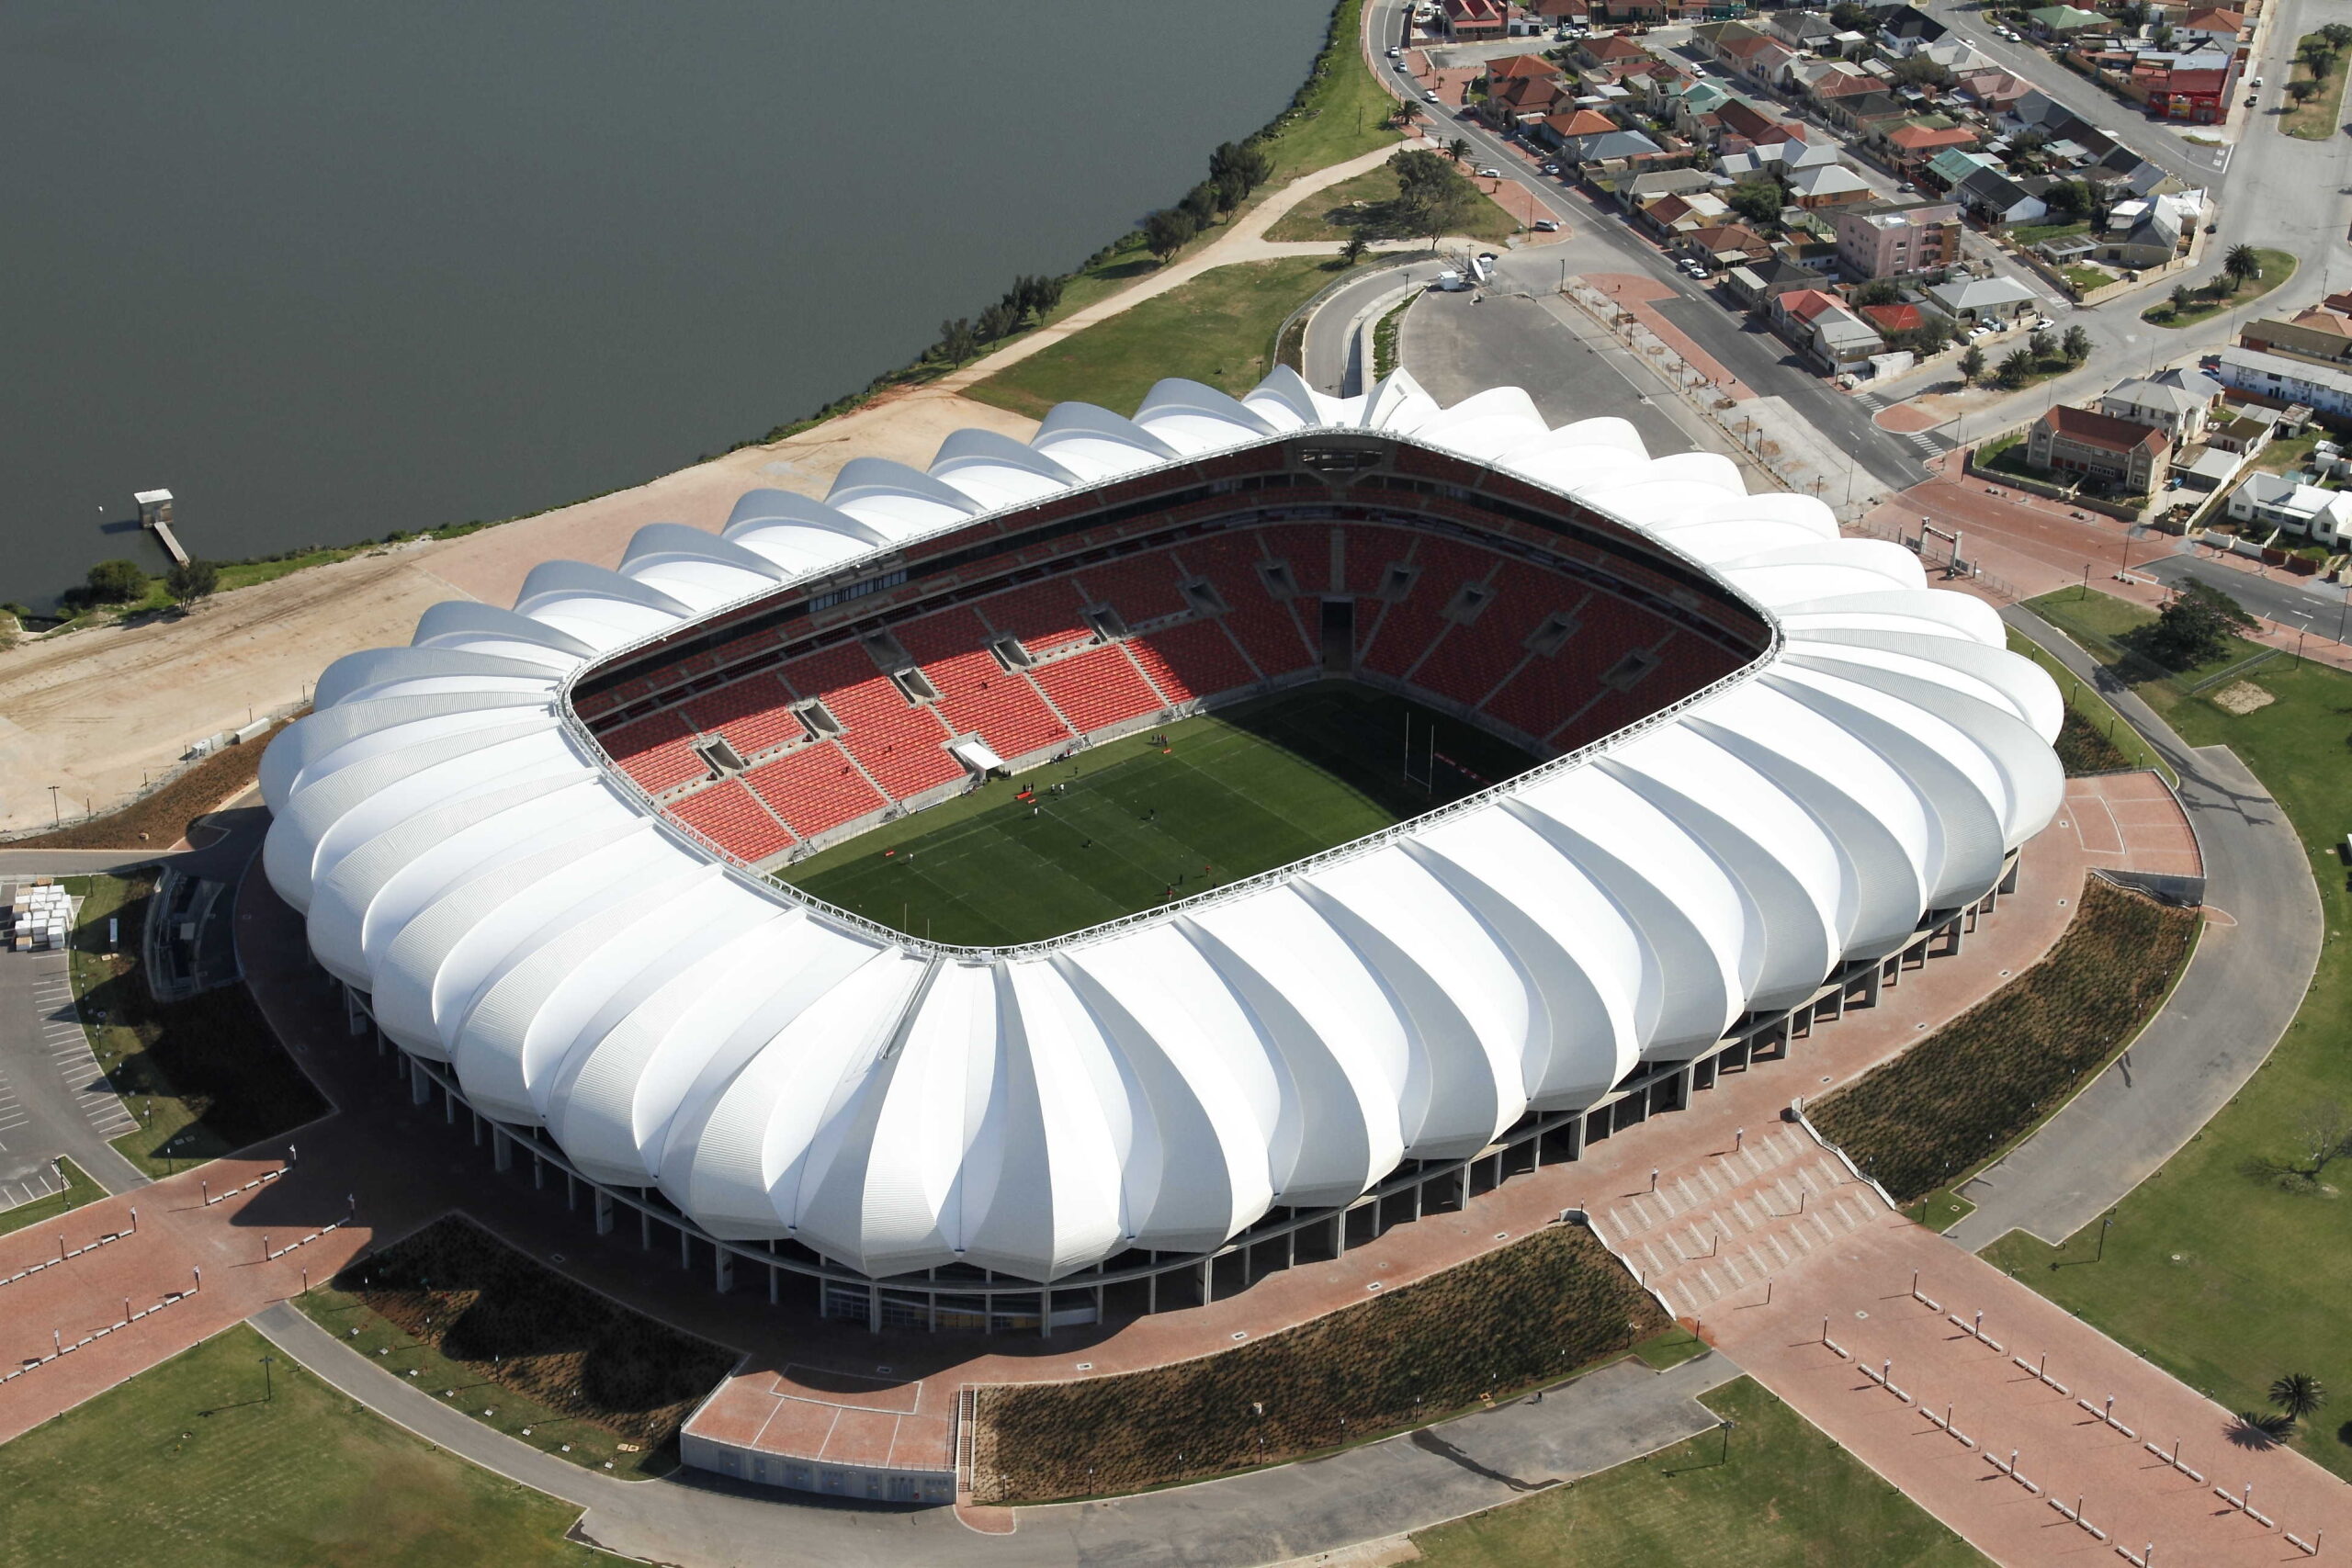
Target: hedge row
[
  {"x": 2083, "y": 750},
  {"x": 1982, "y": 1081},
  {"x": 1526, "y": 1314}
]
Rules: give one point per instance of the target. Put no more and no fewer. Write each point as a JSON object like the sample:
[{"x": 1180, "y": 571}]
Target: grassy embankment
[
  {"x": 2212, "y": 297},
  {"x": 189, "y": 1463},
  {"x": 1369, "y": 205},
  {"x": 2228, "y": 1266},
  {"x": 523, "y": 1349},
  {"x": 1768, "y": 1490}
]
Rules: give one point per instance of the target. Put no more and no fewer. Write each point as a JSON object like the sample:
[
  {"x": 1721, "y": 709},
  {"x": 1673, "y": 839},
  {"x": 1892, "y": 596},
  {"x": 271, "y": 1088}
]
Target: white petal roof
[{"x": 515, "y": 908}]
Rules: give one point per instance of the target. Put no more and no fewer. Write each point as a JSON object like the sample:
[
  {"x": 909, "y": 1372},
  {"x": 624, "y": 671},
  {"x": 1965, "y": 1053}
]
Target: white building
[
  {"x": 2324, "y": 514},
  {"x": 2285, "y": 381}
]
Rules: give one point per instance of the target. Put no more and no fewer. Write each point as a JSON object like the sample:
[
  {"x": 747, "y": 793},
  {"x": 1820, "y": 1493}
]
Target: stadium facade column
[
  {"x": 604, "y": 1213},
  {"x": 355, "y": 1017},
  {"x": 776, "y": 1291},
  {"x": 476, "y": 1116},
  {"x": 874, "y": 1309},
  {"x": 538, "y": 1172},
  {"x": 420, "y": 1088},
  {"x": 1339, "y": 1232},
  {"x": 1575, "y": 1129},
  {"x": 570, "y": 1191},
  {"x": 1208, "y": 1282},
  {"x": 686, "y": 1247},
  {"x": 1684, "y": 1078},
  {"x": 502, "y": 1151},
  {"x": 722, "y": 1271},
  {"x": 450, "y": 1105},
  {"x": 645, "y": 1229}
]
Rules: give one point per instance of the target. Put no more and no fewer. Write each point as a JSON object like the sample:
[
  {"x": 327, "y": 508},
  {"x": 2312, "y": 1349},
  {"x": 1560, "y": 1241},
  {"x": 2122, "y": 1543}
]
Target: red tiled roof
[
  {"x": 2103, "y": 431},
  {"x": 1804, "y": 304},
  {"x": 1918, "y": 138},
  {"x": 1895, "y": 317},
  {"x": 1841, "y": 85},
  {"x": 2195, "y": 84},
  {"x": 2213, "y": 22},
  {"x": 1726, "y": 237},
  {"x": 2321, "y": 320},
  {"x": 1519, "y": 66},
  {"x": 1491, "y": 12},
  {"x": 1613, "y": 48},
  {"x": 1583, "y": 122}
]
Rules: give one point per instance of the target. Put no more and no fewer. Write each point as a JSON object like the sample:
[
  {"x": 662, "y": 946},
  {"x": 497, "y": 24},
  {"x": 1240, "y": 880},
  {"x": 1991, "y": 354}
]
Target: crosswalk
[
  {"x": 67, "y": 1044},
  {"x": 1930, "y": 443}
]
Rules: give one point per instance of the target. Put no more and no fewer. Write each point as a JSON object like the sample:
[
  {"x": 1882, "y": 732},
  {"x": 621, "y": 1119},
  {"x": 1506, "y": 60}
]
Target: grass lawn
[
  {"x": 1248, "y": 789},
  {"x": 188, "y": 1464},
  {"x": 1366, "y": 205},
  {"x": 2277, "y": 267},
  {"x": 521, "y": 1348},
  {"x": 1219, "y": 329},
  {"x": 203, "y": 1077},
  {"x": 1773, "y": 1491},
  {"x": 2285, "y": 453},
  {"x": 79, "y": 1190},
  {"x": 2028, "y": 235},
  {"x": 2106, "y": 627},
  {"x": 2093, "y": 710},
  {"x": 2085, "y": 279},
  {"x": 1341, "y": 111},
  {"x": 2220, "y": 1268},
  {"x": 2316, "y": 120}
]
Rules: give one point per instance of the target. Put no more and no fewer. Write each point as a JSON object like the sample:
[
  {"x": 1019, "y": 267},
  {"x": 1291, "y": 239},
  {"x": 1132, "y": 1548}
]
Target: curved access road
[{"x": 2240, "y": 990}]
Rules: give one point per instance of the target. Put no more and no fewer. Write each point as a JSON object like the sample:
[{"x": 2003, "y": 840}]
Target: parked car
[
  {"x": 1428, "y": 97},
  {"x": 1490, "y": 174},
  {"x": 2256, "y": 83},
  {"x": 2249, "y": 100},
  {"x": 1403, "y": 69},
  {"x": 1551, "y": 168},
  {"x": 1547, "y": 226},
  {"x": 2042, "y": 324},
  {"x": 1396, "y": 54}
]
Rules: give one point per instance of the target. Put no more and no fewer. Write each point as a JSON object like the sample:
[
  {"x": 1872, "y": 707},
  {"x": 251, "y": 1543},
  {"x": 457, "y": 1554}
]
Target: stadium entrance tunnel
[{"x": 1722, "y": 773}]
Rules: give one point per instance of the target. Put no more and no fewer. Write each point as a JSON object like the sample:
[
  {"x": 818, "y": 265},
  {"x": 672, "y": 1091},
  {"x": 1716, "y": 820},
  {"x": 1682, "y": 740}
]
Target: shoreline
[{"x": 99, "y": 710}]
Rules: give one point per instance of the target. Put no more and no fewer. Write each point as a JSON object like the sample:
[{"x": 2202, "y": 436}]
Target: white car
[
  {"x": 1428, "y": 97},
  {"x": 2042, "y": 324},
  {"x": 1396, "y": 54},
  {"x": 1490, "y": 174},
  {"x": 1547, "y": 225}
]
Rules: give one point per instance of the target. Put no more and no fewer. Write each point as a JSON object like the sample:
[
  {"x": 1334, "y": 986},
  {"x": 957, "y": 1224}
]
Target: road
[{"x": 2243, "y": 988}]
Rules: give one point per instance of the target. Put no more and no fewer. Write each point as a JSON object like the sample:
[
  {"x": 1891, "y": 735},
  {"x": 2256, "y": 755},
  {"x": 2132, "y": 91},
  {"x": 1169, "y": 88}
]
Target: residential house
[
  {"x": 1897, "y": 240},
  {"x": 1996, "y": 199},
  {"x": 1997, "y": 300},
  {"x": 1906, "y": 30},
  {"x": 1664, "y": 182},
  {"x": 1739, "y": 126},
  {"x": 1828, "y": 186},
  {"x": 1946, "y": 169},
  {"x": 1758, "y": 284},
  {"x": 1667, "y": 216},
  {"x": 1616, "y": 148},
  {"x": 1519, "y": 100},
  {"x": 2319, "y": 334},
  {"x": 1612, "y": 51},
  {"x": 2177, "y": 411},
  {"x": 1476, "y": 21},
  {"x": 1892, "y": 319},
  {"x": 1827, "y": 81},
  {"x": 1557, "y": 131},
  {"x": 2078, "y": 441},
  {"x": 1761, "y": 60},
  {"x": 2148, "y": 233},
  {"x": 1954, "y": 55},
  {"x": 1802, "y": 30},
  {"x": 1516, "y": 67},
  {"x": 2280, "y": 502},
  {"x": 2216, "y": 27},
  {"x": 2064, "y": 21},
  {"x": 1991, "y": 89},
  {"x": 1915, "y": 142},
  {"x": 1865, "y": 114},
  {"x": 1787, "y": 158},
  {"x": 1693, "y": 108},
  {"x": 2281, "y": 382},
  {"x": 1833, "y": 338},
  {"x": 1723, "y": 245}
]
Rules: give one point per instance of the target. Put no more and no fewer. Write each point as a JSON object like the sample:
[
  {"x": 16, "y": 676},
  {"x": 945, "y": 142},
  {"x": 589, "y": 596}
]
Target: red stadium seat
[
  {"x": 728, "y": 816},
  {"x": 657, "y": 751},
  {"x": 1195, "y": 659},
  {"x": 816, "y": 789},
  {"x": 1098, "y": 688}
]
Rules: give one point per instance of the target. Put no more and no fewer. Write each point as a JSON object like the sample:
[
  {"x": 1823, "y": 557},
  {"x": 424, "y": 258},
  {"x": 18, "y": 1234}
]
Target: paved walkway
[
  {"x": 1383, "y": 1489},
  {"x": 1858, "y": 1293},
  {"x": 2253, "y": 964}
]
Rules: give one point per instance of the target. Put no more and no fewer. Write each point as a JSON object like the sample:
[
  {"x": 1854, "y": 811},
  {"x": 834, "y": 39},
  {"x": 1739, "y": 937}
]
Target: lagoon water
[{"x": 329, "y": 271}]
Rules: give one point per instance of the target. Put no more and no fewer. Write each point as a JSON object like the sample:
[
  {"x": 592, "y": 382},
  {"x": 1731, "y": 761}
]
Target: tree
[
  {"x": 1921, "y": 72},
  {"x": 2181, "y": 299},
  {"x": 957, "y": 340},
  {"x": 1247, "y": 160},
  {"x": 1433, "y": 198},
  {"x": 2297, "y": 1395},
  {"x": 1971, "y": 365},
  {"x": 117, "y": 582},
  {"x": 1878, "y": 291},
  {"x": 1457, "y": 150},
  {"x": 1165, "y": 231},
  {"x": 192, "y": 581},
  {"x": 1757, "y": 201},
  {"x": 2077, "y": 346},
  {"x": 996, "y": 321},
  {"x": 2016, "y": 369},
  {"x": 2196, "y": 628},
  {"x": 1200, "y": 205},
  {"x": 2323, "y": 1137},
  {"x": 2338, "y": 34},
  {"x": 2068, "y": 198},
  {"x": 2041, "y": 345},
  {"x": 1353, "y": 251},
  {"x": 1848, "y": 16},
  {"x": 2303, "y": 92},
  {"x": 2242, "y": 266},
  {"x": 1404, "y": 115}
]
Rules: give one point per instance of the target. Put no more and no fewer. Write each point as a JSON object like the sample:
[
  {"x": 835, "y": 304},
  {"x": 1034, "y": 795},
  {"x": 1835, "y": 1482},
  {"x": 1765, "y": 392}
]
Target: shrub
[
  {"x": 1526, "y": 1314},
  {"x": 1984, "y": 1078}
]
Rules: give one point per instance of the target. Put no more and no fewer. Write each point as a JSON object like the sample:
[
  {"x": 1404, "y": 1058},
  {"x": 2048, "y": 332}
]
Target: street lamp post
[
  {"x": 2104, "y": 1223},
  {"x": 268, "y": 1395}
]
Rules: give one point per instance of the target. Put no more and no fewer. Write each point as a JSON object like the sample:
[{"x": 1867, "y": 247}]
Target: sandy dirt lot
[{"x": 95, "y": 712}]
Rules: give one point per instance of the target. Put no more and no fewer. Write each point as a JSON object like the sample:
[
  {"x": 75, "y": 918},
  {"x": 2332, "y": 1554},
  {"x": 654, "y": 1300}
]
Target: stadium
[{"x": 1068, "y": 881}]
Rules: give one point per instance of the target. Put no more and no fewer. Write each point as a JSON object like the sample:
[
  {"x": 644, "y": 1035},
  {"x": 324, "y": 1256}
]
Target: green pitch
[{"x": 1246, "y": 790}]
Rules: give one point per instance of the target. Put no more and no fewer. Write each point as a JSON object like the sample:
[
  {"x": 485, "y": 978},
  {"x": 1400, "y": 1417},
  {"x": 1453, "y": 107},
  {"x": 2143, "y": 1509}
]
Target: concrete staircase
[{"x": 1718, "y": 1230}]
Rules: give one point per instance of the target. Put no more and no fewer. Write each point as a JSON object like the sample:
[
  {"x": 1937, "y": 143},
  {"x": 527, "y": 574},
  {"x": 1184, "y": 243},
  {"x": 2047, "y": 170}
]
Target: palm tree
[
  {"x": 2298, "y": 1395},
  {"x": 1353, "y": 251},
  {"x": 1458, "y": 149},
  {"x": 2240, "y": 265}
]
